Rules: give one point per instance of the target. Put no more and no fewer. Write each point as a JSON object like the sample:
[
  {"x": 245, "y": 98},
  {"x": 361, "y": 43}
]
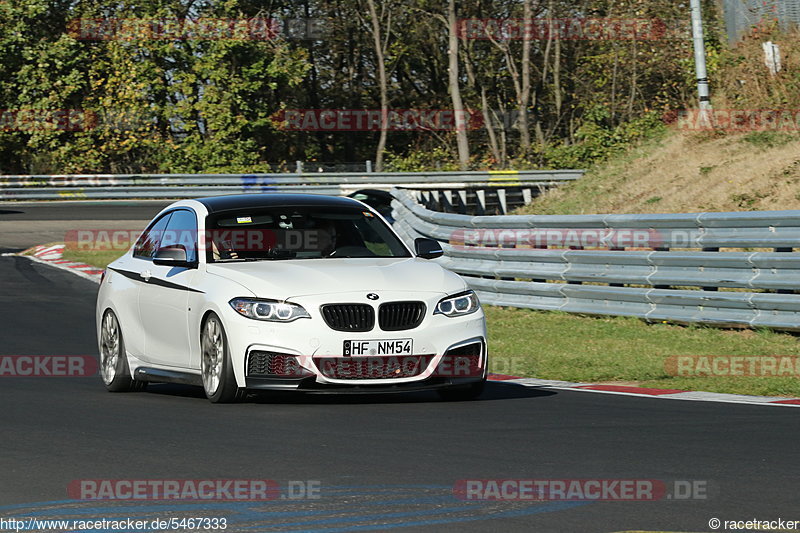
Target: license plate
[{"x": 383, "y": 347}]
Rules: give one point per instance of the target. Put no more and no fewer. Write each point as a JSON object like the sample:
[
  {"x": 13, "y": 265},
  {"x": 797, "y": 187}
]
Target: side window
[
  {"x": 182, "y": 229},
  {"x": 149, "y": 241}
]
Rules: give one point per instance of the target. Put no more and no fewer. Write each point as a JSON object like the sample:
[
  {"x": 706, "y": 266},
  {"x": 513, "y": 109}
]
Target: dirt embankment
[{"x": 692, "y": 172}]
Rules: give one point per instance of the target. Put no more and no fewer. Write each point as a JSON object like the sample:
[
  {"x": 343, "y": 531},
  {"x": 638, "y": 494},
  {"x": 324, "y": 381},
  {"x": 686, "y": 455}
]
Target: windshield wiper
[{"x": 273, "y": 254}]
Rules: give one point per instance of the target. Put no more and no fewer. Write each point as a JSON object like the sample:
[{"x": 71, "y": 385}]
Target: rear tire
[
  {"x": 464, "y": 393},
  {"x": 216, "y": 368},
  {"x": 114, "y": 369}
]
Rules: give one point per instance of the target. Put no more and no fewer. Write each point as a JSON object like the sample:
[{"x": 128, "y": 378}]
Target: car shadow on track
[{"x": 493, "y": 391}]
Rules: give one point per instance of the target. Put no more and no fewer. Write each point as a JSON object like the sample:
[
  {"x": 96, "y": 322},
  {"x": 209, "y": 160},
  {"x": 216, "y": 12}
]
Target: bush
[
  {"x": 597, "y": 143},
  {"x": 437, "y": 159}
]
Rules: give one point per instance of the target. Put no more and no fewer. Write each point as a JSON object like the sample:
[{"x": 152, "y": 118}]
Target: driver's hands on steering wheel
[{"x": 224, "y": 251}]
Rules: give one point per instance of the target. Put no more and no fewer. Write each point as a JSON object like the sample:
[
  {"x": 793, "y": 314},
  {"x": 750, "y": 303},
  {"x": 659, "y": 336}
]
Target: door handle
[{"x": 145, "y": 275}]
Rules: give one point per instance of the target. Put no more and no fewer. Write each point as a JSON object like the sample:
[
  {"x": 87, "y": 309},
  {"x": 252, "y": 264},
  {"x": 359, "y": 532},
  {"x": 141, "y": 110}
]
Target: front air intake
[{"x": 271, "y": 364}]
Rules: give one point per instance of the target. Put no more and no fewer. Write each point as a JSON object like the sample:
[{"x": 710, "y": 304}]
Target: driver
[
  {"x": 223, "y": 251},
  {"x": 326, "y": 237}
]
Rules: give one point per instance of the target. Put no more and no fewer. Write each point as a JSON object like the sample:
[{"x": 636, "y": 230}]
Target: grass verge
[
  {"x": 98, "y": 258},
  {"x": 553, "y": 345}
]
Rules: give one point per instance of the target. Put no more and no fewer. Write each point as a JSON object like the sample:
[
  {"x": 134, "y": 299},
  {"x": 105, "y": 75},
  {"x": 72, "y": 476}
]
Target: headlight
[
  {"x": 270, "y": 310},
  {"x": 458, "y": 305}
]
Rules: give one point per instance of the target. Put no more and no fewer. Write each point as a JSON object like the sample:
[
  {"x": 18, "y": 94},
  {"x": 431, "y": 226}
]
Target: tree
[
  {"x": 381, "y": 44},
  {"x": 455, "y": 91}
]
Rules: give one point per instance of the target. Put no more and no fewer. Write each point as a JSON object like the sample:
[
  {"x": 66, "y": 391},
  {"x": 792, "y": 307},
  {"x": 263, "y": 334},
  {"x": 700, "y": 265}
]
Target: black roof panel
[{"x": 216, "y": 204}]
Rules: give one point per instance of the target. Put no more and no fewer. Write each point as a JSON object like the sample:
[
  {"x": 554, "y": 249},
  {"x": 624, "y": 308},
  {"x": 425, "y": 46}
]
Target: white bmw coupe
[{"x": 286, "y": 292}]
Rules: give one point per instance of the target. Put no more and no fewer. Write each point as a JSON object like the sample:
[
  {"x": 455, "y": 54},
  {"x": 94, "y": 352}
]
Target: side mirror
[
  {"x": 174, "y": 256},
  {"x": 427, "y": 248}
]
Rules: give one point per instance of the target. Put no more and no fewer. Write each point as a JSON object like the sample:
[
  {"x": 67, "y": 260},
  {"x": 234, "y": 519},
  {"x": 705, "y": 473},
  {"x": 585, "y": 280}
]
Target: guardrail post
[
  {"x": 425, "y": 199},
  {"x": 369, "y": 166},
  {"x": 480, "y": 202},
  {"x": 462, "y": 197},
  {"x": 784, "y": 291},
  {"x": 616, "y": 249},
  {"x": 527, "y": 197},
  {"x": 501, "y": 199},
  {"x": 542, "y": 190},
  {"x": 575, "y": 282},
  {"x": 437, "y": 199},
  {"x": 448, "y": 202},
  {"x": 661, "y": 249},
  {"x": 711, "y": 289}
]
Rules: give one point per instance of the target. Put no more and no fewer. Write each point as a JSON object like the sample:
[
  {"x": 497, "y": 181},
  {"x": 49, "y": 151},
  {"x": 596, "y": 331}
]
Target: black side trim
[
  {"x": 154, "y": 281},
  {"x": 156, "y": 375},
  {"x": 128, "y": 274}
]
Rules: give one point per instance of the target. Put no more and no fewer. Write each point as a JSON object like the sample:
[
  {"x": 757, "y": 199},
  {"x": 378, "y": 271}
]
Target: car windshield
[{"x": 299, "y": 233}]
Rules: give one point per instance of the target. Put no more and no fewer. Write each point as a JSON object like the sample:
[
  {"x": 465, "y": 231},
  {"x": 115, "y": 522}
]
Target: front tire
[
  {"x": 216, "y": 368},
  {"x": 114, "y": 368}
]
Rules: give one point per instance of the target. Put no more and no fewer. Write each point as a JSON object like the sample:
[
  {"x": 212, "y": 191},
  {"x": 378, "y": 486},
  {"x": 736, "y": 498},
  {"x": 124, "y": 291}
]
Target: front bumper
[
  {"x": 462, "y": 364},
  {"x": 310, "y": 385},
  {"x": 312, "y": 340}
]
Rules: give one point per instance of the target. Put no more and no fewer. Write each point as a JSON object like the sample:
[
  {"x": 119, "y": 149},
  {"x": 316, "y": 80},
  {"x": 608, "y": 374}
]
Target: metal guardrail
[
  {"x": 112, "y": 186},
  {"x": 650, "y": 280},
  {"x": 752, "y": 229}
]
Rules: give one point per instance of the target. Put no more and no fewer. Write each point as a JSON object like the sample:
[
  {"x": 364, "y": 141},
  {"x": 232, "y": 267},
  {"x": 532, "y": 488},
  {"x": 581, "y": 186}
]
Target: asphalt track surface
[
  {"x": 28, "y": 224},
  {"x": 381, "y": 463}
]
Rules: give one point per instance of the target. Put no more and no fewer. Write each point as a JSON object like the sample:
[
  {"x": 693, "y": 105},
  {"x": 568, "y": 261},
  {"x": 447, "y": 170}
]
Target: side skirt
[{"x": 156, "y": 375}]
